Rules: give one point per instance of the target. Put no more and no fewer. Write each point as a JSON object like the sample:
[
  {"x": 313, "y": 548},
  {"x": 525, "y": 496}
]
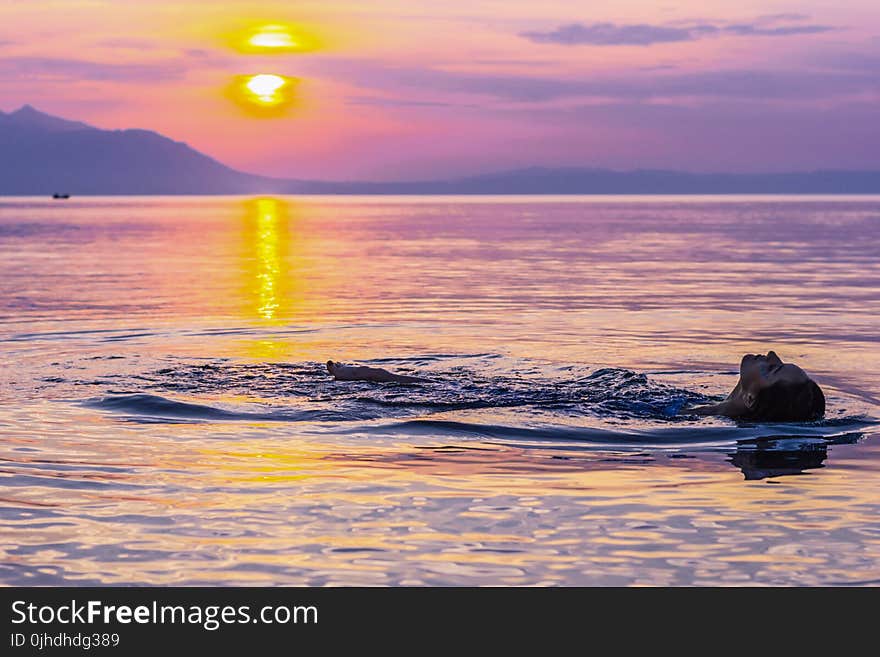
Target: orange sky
[{"x": 400, "y": 89}]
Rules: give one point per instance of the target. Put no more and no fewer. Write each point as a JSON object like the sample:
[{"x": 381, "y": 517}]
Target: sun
[
  {"x": 263, "y": 95},
  {"x": 274, "y": 39},
  {"x": 266, "y": 88},
  {"x": 272, "y": 36}
]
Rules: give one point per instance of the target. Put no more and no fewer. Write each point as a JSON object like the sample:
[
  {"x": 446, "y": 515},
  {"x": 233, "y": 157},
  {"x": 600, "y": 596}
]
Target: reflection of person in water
[
  {"x": 767, "y": 390},
  {"x": 767, "y": 459}
]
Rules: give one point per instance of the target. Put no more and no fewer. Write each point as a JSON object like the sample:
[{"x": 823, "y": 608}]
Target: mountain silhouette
[
  {"x": 42, "y": 154},
  {"x": 27, "y": 118}
]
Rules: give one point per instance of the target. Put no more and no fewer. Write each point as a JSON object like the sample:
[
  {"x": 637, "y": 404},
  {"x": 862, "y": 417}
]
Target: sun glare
[
  {"x": 266, "y": 89},
  {"x": 274, "y": 39},
  {"x": 263, "y": 95},
  {"x": 267, "y": 95}
]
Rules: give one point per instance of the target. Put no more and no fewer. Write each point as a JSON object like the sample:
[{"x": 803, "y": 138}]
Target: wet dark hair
[{"x": 786, "y": 402}]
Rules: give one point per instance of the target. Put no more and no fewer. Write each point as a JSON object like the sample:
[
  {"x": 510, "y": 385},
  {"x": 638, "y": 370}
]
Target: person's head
[{"x": 778, "y": 392}]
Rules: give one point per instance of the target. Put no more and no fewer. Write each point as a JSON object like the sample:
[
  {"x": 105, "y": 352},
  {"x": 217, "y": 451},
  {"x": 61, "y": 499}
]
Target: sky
[{"x": 417, "y": 89}]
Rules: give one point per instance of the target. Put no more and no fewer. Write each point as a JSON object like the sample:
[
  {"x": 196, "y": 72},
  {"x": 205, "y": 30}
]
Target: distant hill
[
  {"x": 42, "y": 154},
  {"x": 538, "y": 180}
]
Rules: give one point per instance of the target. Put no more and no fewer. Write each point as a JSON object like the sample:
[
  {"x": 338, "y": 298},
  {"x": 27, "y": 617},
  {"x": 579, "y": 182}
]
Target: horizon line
[{"x": 467, "y": 177}]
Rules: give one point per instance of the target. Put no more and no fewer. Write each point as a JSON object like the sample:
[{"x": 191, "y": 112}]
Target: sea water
[{"x": 166, "y": 416}]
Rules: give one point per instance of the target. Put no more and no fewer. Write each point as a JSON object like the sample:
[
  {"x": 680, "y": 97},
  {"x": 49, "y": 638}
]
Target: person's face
[{"x": 757, "y": 372}]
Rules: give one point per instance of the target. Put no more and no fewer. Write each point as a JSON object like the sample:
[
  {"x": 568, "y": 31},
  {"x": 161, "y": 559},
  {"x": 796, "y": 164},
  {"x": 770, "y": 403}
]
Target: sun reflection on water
[
  {"x": 274, "y": 288},
  {"x": 268, "y": 240}
]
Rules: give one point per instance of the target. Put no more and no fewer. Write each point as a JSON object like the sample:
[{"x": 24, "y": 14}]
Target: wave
[
  {"x": 147, "y": 408},
  {"x": 608, "y": 392},
  {"x": 152, "y": 407},
  {"x": 483, "y": 396},
  {"x": 469, "y": 383},
  {"x": 783, "y": 436}
]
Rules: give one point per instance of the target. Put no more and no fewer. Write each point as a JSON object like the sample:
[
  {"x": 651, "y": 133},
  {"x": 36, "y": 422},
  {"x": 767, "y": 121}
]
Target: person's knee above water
[{"x": 768, "y": 390}]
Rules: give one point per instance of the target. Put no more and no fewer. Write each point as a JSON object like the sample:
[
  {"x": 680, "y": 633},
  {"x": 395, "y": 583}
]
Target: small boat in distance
[{"x": 60, "y": 195}]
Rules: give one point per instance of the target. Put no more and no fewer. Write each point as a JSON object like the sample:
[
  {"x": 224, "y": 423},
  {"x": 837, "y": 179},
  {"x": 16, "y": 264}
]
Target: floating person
[{"x": 768, "y": 390}]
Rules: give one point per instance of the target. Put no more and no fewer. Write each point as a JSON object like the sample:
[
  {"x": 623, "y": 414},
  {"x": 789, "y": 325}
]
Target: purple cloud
[
  {"x": 772, "y": 18},
  {"x": 750, "y": 84},
  {"x": 742, "y": 135},
  {"x": 849, "y": 61},
  {"x": 395, "y": 102},
  {"x": 748, "y": 29},
  {"x": 54, "y": 68},
  {"x": 609, "y": 34},
  {"x": 612, "y": 34},
  {"x": 12, "y": 68},
  {"x": 129, "y": 44}
]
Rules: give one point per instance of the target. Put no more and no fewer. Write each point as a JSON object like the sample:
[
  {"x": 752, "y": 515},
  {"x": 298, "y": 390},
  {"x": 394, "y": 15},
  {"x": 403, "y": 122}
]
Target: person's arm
[
  {"x": 721, "y": 408},
  {"x": 354, "y": 373},
  {"x": 710, "y": 409}
]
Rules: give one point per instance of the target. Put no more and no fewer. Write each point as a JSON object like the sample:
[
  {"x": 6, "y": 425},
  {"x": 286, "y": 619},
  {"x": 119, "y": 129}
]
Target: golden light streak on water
[
  {"x": 275, "y": 293},
  {"x": 268, "y": 260}
]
